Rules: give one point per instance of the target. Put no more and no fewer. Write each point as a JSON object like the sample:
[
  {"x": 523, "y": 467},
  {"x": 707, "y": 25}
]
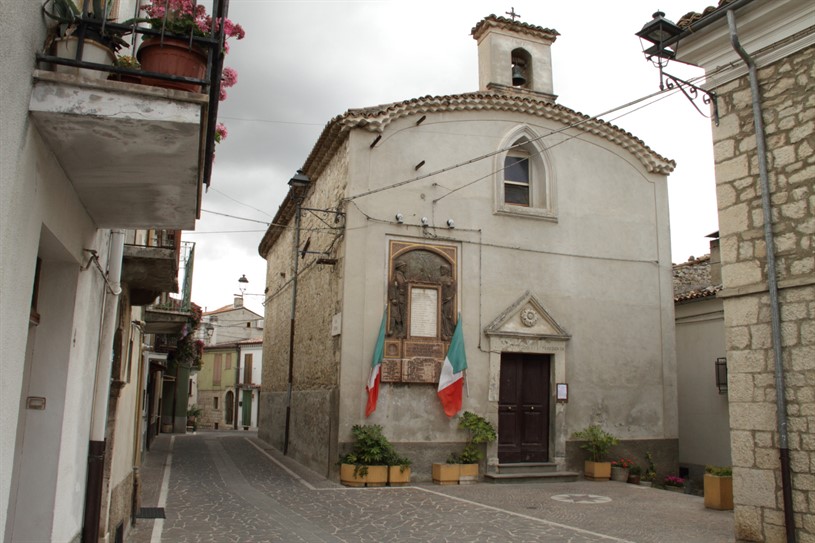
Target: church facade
[{"x": 544, "y": 231}]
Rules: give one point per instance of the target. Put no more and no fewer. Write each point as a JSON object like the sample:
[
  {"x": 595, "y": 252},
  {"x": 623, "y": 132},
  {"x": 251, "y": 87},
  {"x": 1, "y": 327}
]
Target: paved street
[{"x": 229, "y": 486}]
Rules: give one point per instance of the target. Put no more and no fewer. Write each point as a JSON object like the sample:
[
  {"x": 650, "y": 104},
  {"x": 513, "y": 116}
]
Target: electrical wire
[{"x": 225, "y": 195}]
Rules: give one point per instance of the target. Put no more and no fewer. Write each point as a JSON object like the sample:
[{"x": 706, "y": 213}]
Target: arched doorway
[{"x": 229, "y": 407}]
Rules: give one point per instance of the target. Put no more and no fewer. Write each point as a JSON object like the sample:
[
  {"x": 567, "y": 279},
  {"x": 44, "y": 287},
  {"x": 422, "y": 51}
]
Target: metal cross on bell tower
[{"x": 512, "y": 14}]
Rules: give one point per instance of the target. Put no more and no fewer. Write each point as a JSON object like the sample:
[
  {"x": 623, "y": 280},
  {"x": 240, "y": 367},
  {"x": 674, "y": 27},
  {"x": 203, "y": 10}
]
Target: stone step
[
  {"x": 527, "y": 467},
  {"x": 532, "y": 477}
]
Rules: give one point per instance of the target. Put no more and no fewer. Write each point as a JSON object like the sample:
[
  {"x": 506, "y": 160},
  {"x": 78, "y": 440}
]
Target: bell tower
[{"x": 514, "y": 56}]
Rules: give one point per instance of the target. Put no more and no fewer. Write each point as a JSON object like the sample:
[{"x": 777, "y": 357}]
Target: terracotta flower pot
[{"x": 175, "y": 57}]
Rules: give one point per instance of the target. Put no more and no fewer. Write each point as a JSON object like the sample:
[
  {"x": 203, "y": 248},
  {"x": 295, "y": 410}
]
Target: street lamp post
[{"x": 298, "y": 183}]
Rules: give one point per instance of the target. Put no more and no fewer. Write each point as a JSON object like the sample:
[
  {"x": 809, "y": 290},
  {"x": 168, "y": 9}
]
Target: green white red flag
[
  {"x": 451, "y": 380},
  {"x": 376, "y": 365}
]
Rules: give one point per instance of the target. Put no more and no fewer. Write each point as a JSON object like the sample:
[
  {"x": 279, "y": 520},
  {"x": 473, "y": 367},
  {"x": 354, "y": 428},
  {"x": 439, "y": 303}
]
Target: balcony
[
  {"x": 170, "y": 315},
  {"x": 150, "y": 264},
  {"x": 137, "y": 154}
]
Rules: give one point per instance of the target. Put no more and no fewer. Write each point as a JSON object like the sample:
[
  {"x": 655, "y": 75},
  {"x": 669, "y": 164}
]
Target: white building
[
  {"x": 545, "y": 230},
  {"x": 75, "y": 196}
]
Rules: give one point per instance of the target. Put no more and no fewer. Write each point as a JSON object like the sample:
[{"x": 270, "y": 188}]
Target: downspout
[
  {"x": 772, "y": 285},
  {"x": 101, "y": 390}
]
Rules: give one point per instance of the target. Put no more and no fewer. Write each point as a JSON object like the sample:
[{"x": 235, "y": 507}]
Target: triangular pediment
[{"x": 526, "y": 318}]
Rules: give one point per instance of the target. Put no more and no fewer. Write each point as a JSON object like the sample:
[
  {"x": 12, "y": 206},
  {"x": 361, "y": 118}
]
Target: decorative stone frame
[
  {"x": 542, "y": 194},
  {"x": 526, "y": 327}
]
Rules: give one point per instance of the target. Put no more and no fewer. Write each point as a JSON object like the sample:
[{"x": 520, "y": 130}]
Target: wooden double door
[{"x": 523, "y": 408}]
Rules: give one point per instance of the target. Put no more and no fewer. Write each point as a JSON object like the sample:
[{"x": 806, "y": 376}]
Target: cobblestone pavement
[{"x": 229, "y": 486}]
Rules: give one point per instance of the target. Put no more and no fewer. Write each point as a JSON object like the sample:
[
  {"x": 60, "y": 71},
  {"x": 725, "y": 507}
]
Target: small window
[
  {"x": 516, "y": 179},
  {"x": 721, "y": 375},
  {"x": 524, "y": 177},
  {"x": 215, "y": 402}
]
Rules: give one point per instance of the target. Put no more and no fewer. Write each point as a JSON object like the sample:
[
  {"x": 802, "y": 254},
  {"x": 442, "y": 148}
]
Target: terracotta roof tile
[
  {"x": 692, "y": 280},
  {"x": 516, "y": 26},
  {"x": 692, "y": 16}
]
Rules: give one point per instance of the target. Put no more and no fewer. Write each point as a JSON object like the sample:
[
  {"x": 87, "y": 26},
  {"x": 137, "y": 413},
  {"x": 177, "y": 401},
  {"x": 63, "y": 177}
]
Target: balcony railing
[{"x": 86, "y": 25}]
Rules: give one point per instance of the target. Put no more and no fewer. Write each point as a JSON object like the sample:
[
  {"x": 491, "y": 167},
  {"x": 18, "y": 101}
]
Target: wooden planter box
[
  {"x": 348, "y": 478},
  {"x": 446, "y": 474},
  {"x": 718, "y": 492},
  {"x": 376, "y": 476},
  {"x": 468, "y": 474},
  {"x": 597, "y": 471},
  {"x": 397, "y": 476}
]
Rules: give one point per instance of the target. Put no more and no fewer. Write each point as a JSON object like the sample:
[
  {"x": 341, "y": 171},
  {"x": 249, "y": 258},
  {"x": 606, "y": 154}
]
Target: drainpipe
[
  {"x": 769, "y": 241},
  {"x": 101, "y": 390}
]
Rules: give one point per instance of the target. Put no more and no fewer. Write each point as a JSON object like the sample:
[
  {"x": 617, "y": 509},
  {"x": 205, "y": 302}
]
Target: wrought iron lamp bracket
[{"x": 691, "y": 92}]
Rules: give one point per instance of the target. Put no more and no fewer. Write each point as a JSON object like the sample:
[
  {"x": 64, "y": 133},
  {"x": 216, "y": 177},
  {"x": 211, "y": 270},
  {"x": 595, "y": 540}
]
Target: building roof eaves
[
  {"x": 376, "y": 118},
  {"x": 493, "y": 21}
]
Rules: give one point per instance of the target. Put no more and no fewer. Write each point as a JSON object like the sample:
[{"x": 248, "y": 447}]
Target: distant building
[
  {"x": 228, "y": 385},
  {"x": 230, "y": 323},
  {"x": 704, "y": 424}
]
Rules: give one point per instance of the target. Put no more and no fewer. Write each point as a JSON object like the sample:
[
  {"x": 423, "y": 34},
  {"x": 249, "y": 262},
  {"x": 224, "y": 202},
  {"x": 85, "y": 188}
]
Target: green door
[{"x": 247, "y": 407}]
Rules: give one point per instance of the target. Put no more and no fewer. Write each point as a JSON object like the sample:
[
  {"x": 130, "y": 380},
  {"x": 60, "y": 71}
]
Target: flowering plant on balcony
[{"x": 185, "y": 17}]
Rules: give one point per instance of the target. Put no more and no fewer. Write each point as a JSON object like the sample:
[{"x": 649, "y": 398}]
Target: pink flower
[
  {"x": 229, "y": 77},
  {"x": 220, "y": 132}
]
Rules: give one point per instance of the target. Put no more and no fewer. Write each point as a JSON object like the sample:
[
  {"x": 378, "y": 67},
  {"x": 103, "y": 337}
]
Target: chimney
[
  {"x": 238, "y": 302},
  {"x": 715, "y": 260}
]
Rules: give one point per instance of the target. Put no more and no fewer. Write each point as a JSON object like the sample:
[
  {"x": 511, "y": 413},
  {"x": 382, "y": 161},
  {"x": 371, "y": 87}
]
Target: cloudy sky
[{"x": 303, "y": 62}]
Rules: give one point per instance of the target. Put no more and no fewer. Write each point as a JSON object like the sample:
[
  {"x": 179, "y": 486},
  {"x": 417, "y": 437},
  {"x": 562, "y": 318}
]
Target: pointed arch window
[{"x": 524, "y": 180}]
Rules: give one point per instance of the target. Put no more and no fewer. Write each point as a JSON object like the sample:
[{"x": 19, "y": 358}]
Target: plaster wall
[
  {"x": 704, "y": 423},
  {"x": 42, "y": 215},
  {"x": 606, "y": 254}
]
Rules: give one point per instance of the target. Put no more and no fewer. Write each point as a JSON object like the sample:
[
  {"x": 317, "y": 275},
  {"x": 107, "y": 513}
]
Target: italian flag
[
  {"x": 376, "y": 363},
  {"x": 451, "y": 381}
]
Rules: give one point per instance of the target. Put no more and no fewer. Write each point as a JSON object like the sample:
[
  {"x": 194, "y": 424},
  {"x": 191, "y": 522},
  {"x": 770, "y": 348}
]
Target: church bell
[{"x": 518, "y": 77}]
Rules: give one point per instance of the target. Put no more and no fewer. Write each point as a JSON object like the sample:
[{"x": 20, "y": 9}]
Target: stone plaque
[
  {"x": 391, "y": 371},
  {"x": 393, "y": 348},
  {"x": 421, "y": 370},
  {"x": 425, "y": 349},
  {"x": 424, "y": 312}
]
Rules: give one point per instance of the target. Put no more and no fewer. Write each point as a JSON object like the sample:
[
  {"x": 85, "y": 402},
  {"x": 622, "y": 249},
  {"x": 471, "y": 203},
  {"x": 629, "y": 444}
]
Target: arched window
[{"x": 524, "y": 180}]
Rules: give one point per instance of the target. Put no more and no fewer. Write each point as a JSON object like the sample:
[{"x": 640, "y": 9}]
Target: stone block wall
[
  {"x": 315, "y": 373},
  {"x": 788, "y": 103}
]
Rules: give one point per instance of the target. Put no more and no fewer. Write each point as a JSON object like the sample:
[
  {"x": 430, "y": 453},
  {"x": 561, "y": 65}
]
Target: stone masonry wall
[
  {"x": 316, "y": 352},
  {"x": 788, "y": 103}
]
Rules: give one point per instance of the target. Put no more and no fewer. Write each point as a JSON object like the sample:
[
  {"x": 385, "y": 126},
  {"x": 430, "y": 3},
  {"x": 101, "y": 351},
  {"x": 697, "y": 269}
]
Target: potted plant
[
  {"x": 366, "y": 464},
  {"x": 620, "y": 469},
  {"x": 193, "y": 412},
  {"x": 462, "y": 468},
  {"x": 101, "y": 41},
  {"x": 597, "y": 443},
  {"x": 719, "y": 488},
  {"x": 174, "y": 52},
  {"x": 129, "y": 62},
  {"x": 649, "y": 474},
  {"x": 674, "y": 483},
  {"x": 634, "y": 474}
]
